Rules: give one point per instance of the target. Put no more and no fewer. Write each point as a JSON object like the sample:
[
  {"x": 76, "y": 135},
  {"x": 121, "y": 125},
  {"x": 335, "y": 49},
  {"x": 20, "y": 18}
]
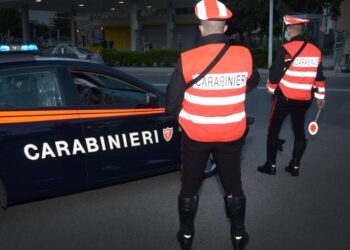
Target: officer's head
[
  {"x": 295, "y": 30},
  {"x": 213, "y": 15},
  {"x": 294, "y": 26}
]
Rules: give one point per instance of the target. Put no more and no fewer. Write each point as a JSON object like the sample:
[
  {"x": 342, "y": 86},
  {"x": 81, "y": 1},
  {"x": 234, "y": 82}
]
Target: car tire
[
  {"x": 210, "y": 169},
  {"x": 3, "y": 195}
]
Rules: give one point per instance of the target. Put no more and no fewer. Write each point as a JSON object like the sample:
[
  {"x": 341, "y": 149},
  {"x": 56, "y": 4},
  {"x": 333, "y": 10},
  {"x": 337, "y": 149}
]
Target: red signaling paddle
[{"x": 313, "y": 126}]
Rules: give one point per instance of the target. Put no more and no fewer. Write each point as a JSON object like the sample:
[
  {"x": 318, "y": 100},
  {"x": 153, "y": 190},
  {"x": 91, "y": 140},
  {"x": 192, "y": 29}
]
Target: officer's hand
[{"x": 321, "y": 103}]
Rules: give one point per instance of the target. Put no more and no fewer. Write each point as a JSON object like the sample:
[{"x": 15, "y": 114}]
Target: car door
[
  {"x": 37, "y": 131},
  {"x": 127, "y": 133}
]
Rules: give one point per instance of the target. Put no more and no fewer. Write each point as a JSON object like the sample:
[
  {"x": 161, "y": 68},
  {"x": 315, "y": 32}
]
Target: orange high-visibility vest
[
  {"x": 213, "y": 109},
  {"x": 299, "y": 79}
]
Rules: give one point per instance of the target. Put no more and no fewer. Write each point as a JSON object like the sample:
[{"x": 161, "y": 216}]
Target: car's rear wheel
[{"x": 211, "y": 168}]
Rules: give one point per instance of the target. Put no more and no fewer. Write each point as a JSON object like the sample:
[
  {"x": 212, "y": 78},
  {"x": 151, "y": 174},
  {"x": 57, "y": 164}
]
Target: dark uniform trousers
[
  {"x": 281, "y": 108},
  {"x": 195, "y": 156}
]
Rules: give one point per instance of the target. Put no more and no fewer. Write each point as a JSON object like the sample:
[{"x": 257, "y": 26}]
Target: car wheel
[{"x": 210, "y": 169}]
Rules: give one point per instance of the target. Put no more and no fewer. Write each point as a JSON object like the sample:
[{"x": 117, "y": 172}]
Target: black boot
[
  {"x": 235, "y": 209},
  {"x": 271, "y": 154},
  {"x": 187, "y": 212},
  {"x": 268, "y": 168},
  {"x": 298, "y": 151}
]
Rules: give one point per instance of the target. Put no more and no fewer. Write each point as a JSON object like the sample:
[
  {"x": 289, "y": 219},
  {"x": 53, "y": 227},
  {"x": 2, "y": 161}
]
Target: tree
[
  {"x": 313, "y": 6},
  {"x": 10, "y": 19},
  {"x": 244, "y": 16},
  {"x": 40, "y": 29}
]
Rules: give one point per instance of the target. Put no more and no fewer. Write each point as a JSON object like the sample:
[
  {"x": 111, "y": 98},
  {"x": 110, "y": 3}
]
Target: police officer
[
  {"x": 295, "y": 77},
  {"x": 213, "y": 119}
]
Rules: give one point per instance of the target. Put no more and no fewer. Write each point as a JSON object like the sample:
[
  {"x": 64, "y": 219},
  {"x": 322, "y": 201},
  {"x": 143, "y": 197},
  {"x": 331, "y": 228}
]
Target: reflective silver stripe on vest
[
  {"x": 296, "y": 85},
  {"x": 214, "y": 101},
  {"x": 213, "y": 120},
  {"x": 301, "y": 73}
]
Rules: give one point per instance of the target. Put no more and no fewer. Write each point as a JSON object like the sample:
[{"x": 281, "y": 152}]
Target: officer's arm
[
  {"x": 319, "y": 84},
  {"x": 276, "y": 71},
  {"x": 254, "y": 79},
  {"x": 175, "y": 91}
]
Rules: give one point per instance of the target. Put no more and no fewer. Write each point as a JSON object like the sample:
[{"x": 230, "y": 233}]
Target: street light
[{"x": 270, "y": 33}]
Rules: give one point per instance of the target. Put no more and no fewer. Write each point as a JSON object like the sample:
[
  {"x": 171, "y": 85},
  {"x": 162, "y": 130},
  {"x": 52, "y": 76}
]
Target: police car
[{"x": 70, "y": 125}]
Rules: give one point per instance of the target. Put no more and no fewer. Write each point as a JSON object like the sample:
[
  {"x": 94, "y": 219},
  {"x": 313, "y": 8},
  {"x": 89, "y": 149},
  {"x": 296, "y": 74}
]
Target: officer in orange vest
[
  {"x": 212, "y": 116},
  {"x": 295, "y": 78}
]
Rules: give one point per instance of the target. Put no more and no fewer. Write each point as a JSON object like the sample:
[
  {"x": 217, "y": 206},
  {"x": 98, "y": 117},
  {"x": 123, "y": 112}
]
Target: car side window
[
  {"x": 30, "y": 89},
  {"x": 98, "y": 89}
]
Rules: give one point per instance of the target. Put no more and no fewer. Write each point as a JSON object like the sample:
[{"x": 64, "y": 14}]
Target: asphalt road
[{"x": 308, "y": 212}]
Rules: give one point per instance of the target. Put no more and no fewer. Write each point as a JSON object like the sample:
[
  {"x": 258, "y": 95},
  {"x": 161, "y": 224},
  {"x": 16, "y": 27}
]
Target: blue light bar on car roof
[
  {"x": 18, "y": 48},
  {"x": 4, "y": 48}
]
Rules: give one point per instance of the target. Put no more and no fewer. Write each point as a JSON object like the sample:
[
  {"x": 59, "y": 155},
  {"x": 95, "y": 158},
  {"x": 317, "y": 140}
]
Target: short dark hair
[{"x": 214, "y": 26}]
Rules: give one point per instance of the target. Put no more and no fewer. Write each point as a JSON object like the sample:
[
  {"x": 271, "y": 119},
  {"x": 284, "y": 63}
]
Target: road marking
[{"x": 264, "y": 88}]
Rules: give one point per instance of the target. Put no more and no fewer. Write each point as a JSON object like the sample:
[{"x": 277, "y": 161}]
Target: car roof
[
  {"x": 69, "y": 62},
  {"x": 27, "y": 57},
  {"x": 54, "y": 58}
]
